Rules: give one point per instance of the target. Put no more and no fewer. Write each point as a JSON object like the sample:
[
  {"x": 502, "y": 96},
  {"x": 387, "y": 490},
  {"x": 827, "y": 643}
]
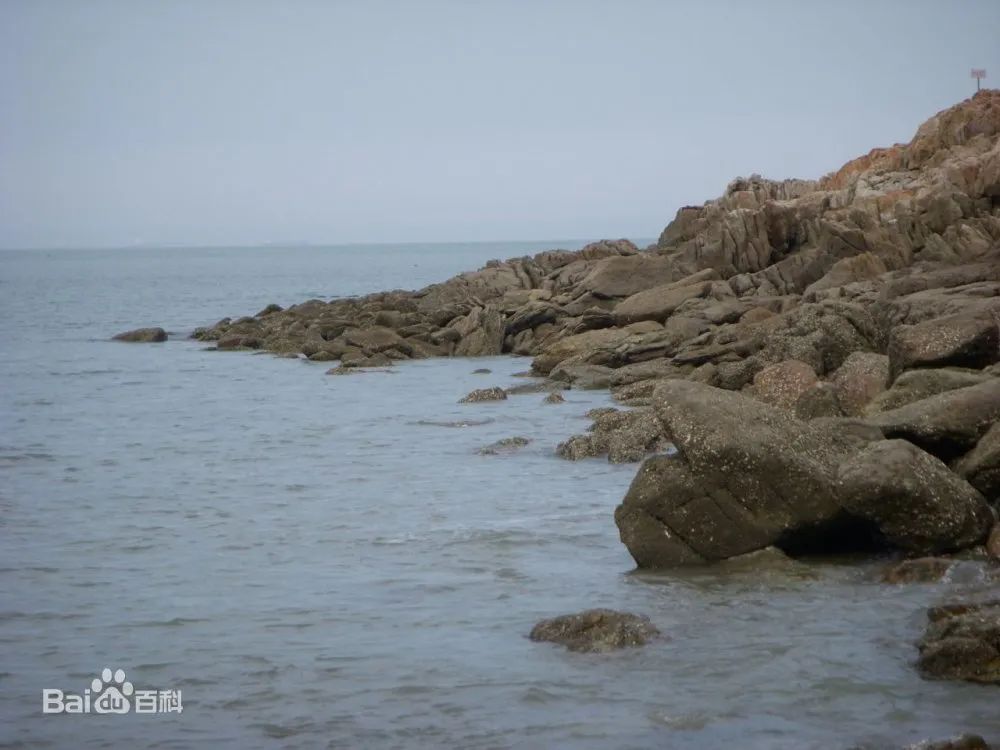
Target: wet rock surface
[
  {"x": 484, "y": 394},
  {"x": 962, "y": 642},
  {"x": 918, "y": 570},
  {"x": 596, "y": 630}
]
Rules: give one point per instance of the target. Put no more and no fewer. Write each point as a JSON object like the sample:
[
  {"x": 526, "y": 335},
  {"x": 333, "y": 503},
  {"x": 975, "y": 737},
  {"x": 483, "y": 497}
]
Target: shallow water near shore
[{"x": 327, "y": 562}]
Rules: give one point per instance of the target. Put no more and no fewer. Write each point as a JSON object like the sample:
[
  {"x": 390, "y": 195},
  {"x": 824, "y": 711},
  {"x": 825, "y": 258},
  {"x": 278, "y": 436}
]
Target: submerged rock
[
  {"x": 962, "y": 642},
  {"x": 596, "y": 630},
  {"x": 485, "y": 394},
  {"x": 554, "y": 398},
  {"x": 506, "y": 445},
  {"x": 918, "y": 570},
  {"x": 142, "y": 335}
]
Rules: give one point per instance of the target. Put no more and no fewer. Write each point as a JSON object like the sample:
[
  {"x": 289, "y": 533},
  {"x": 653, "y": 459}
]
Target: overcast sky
[{"x": 214, "y": 122}]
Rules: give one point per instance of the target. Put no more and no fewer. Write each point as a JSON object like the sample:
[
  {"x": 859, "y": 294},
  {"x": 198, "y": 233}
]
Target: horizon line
[{"x": 288, "y": 245}]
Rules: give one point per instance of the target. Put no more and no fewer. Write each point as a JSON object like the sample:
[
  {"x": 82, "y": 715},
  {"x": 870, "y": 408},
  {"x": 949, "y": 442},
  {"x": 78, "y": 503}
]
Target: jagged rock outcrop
[{"x": 865, "y": 259}]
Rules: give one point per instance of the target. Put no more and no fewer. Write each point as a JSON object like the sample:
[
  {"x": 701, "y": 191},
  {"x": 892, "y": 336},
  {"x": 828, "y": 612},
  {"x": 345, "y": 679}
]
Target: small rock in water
[
  {"x": 918, "y": 570},
  {"x": 142, "y": 335},
  {"x": 482, "y": 371},
  {"x": 556, "y": 398},
  {"x": 962, "y": 642},
  {"x": 485, "y": 394},
  {"x": 596, "y": 630},
  {"x": 507, "y": 445}
]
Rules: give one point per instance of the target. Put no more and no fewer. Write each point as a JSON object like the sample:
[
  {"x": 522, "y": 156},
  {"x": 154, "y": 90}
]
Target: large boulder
[
  {"x": 624, "y": 275},
  {"x": 915, "y": 501},
  {"x": 964, "y": 340},
  {"x": 596, "y": 630},
  {"x": 482, "y": 332},
  {"x": 948, "y": 424},
  {"x": 962, "y": 642},
  {"x": 659, "y": 302},
  {"x": 142, "y": 335},
  {"x": 746, "y": 475}
]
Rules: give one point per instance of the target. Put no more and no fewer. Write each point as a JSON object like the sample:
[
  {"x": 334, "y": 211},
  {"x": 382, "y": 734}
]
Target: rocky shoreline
[{"x": 823, "y": 356}]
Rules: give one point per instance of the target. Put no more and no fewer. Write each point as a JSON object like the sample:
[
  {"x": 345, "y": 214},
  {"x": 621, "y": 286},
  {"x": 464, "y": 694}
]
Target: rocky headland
[
  {"x": 806, "y": 365},
  {"x": 821, "y": 354}
]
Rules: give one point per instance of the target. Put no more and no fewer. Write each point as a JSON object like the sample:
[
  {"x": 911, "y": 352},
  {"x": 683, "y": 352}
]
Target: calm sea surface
[{"x": 318, "y": 561}]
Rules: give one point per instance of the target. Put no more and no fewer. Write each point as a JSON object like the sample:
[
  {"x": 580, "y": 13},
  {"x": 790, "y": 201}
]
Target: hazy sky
[{"x": 214, "y": 122}]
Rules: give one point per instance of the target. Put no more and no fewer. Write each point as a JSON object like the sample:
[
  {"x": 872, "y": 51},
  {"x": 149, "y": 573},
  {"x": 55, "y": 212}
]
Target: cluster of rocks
[{"x": 807, "y": 365}]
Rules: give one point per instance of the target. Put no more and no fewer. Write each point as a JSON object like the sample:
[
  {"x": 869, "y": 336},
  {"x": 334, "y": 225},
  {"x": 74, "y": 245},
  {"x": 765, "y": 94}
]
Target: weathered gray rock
[
  {"x": 596, "y": 630},
  {"x": 913, "y": 499},
  {"x": 916, "y": 385},
  {"x": 482, "y": 332},
  {"x": 658, "y": 303},
  {"x": 625, "y": 436},
  {"x": 948, "y": 424},
  {"x": 783, "y": 384},
  {"x": 962, "y": 642},
  {"x": 623, "y": 276},
  {"x": 964, "y": 340},
  {"x": 595, "y": 347},
  {"x": 861, "y": 378},
  {"x": 554, "y": 398},
  {"x": 819, "y": 401},
  {"x": 484, "y": 394},
  {"x": 142, "y": 335}
]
